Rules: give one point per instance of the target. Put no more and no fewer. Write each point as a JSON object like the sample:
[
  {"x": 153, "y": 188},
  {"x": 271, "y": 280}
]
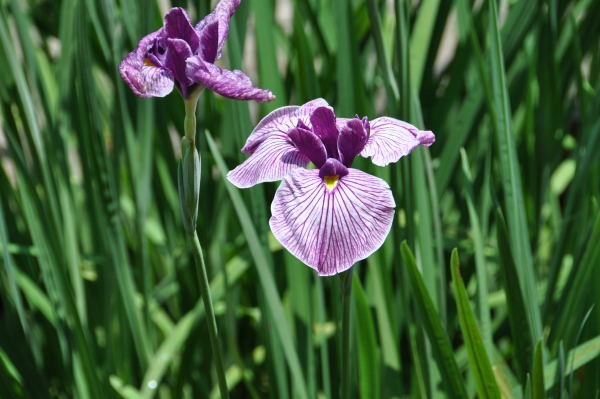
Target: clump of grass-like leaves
[{"x": 97, "y": 297}]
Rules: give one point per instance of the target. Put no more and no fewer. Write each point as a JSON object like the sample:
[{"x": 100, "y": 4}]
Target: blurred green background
[{"x": 98, "y": 297}]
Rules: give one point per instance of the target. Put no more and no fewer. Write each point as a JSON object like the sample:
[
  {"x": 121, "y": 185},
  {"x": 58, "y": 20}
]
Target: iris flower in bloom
[
  {"x": 334, "y": 215},
  {"x": 182, "y": 55}
]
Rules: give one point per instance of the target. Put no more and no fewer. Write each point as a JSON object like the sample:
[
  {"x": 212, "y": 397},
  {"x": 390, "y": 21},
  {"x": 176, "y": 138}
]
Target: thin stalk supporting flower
[{"x": 182, "y": 55}]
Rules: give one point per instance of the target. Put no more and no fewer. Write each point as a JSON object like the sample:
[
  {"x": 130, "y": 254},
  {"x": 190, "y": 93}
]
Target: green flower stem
[
  {"x": 192, "y": 183},
  {"x": 213, "y": 334},
  {"x": 189, "y": 123},
  {"x": 346, "y": 282}
]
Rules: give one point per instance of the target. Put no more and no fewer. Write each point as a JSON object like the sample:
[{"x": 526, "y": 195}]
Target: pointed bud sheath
[{"x": 188, "y": 178}]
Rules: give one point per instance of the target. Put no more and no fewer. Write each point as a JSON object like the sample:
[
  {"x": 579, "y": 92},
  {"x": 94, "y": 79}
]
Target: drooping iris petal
[
  {"x": 273, "y": 159},
  {"x": 352, "y": 140},
  {"x": 390, "y": 139},
  {"x": 232, "y": 84},
  {"x": 324, "y": 125},
  {"x": 331, "y": 230},
  {"x": 309, "y": 145},
  {"x": 178, "y": 51},
  {"x": 179, "y": 26},
  {"x": 281, "y": 120},
  {"x": 144, "y": 78},
  {"x": 214, "y": 28}
]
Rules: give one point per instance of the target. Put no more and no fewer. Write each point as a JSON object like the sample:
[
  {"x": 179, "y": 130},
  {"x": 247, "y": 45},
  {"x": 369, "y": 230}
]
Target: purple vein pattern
[
  {"x": 331, "y": 216},
  {"x": 331, "y": 230},
  {"x": 181, "y": 55}
]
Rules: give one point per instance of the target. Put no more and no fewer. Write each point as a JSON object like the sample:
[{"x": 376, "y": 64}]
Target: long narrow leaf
[
  {"x": 440, "y": 343},
  {"x": 511, "y": 179},
  {"x": 478, "y": 356}
]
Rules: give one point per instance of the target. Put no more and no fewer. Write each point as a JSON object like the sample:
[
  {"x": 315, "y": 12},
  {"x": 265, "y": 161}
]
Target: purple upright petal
[
  {"x": 330, "y": 230},
  {"x": 352, "y": 140},
  {"x": 233, "y": 84},
  {"x": 333, "y": 168},
  {"x": 343, "y": 122},
  {"x": 309, "y": 145},
  {"x": 214, "y": 28},
  {"x": 390, "y": 139},
  {"x": 307, "y": 109},
  {"x": 179, "y": 26},
  {"x": 273, "y": 159},
  {"x": 178, "y": 51},
  {"x": 324, "y": 125},
  {"x": 144, "y": 78},
  {"x": 209, "y": 40},
  {"x": 281, "y": 120}
]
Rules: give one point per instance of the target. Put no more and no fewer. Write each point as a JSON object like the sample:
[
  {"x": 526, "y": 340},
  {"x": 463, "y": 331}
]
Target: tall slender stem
[
  {"x": 213, "y": 334},
  {"x": 346, "y": 281},
  {"x": 190, "y": 190}
]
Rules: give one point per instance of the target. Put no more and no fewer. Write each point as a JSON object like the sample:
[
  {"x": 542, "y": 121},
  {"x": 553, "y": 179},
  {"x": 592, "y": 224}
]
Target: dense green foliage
[{"x": 98, "y": 297}]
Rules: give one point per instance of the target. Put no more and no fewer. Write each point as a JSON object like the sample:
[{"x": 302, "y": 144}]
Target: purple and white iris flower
[
  {"x": 334, "y": 215},
  {"x": 182, "y": 55}
]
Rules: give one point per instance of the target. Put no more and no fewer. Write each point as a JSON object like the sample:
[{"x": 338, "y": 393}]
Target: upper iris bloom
[
  {"x": 332, "y": 216},
  {"x": 183, "y": 55}
]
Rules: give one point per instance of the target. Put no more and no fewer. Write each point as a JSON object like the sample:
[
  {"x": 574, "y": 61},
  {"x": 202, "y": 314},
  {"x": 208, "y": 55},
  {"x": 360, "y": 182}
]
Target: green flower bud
[{"x": 188, "y": 178}]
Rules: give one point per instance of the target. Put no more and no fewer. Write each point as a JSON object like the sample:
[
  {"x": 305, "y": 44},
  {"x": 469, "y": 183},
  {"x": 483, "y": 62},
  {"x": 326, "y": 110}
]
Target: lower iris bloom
[
  {"x": 182, "y": 55},
  {"x": 334, "y": 215}
]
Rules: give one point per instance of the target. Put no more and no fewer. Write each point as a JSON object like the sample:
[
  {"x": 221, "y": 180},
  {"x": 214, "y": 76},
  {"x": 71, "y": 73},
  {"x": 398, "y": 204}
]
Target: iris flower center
[{"x": 331, "y": 182}]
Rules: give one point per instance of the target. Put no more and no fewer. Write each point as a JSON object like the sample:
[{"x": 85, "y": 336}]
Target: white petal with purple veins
[
  {"x": 330, "y": 229},
  {"x": 281, "y": 120},
  {"x": 273, "y": 159},
  {"x": 278, "y": 121},
  {"x": 390, "y": 139}
]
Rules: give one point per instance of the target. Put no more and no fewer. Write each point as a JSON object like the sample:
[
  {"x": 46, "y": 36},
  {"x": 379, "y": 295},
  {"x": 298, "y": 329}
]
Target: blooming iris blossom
[
  {"x": 181, "y": 55},
  {"x": 334, "y": 215}
]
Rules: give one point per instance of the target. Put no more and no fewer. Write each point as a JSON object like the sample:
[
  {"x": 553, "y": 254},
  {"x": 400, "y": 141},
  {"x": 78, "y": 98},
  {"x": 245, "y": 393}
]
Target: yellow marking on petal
[
  {"x": 371, "y": 132},
  {"x": 147, "y": 62},
  {"x": 331, "y": 182}
]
